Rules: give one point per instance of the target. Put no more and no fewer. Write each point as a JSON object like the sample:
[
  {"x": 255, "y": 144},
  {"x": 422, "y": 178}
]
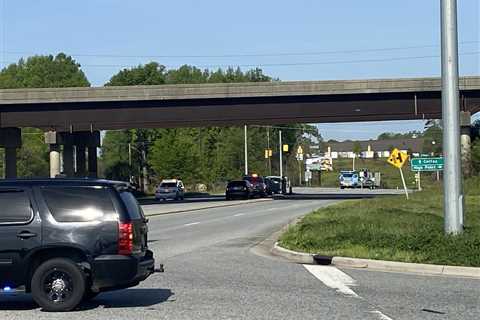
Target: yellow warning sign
[{"x": 397, "y": 158}]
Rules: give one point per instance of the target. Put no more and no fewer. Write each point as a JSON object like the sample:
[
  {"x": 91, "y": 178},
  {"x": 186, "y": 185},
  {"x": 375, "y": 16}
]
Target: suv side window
[
  {"x": 77, "y": 204},
  {"x": 16, "y": 206},
  {"x": 134, "y": 211}
]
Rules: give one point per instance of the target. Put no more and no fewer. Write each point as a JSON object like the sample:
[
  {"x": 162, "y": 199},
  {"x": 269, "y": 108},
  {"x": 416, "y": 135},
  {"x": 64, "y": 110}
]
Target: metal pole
[
  {"x": 246, "y": 151},
  {"x": 144, "y": 169},
  {"x": 268, "y": 148},
  {"x": 280, "y": 146},
  {"x": 130, "y": 155},
  {"x": 404, "y": 184},
  {"x": 452, "y": 185}
]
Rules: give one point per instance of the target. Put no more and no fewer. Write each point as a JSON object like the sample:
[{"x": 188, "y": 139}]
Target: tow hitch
[{"x": 160, "y": 269}]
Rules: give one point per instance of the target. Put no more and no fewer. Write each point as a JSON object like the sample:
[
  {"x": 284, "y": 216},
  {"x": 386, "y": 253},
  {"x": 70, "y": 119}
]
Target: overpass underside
[
  {"x": 81, "y": 109},
  {"x": 73, "y": 117}
]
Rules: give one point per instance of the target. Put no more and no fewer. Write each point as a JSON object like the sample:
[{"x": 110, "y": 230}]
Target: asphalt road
[{"x": 214, "y": 270}]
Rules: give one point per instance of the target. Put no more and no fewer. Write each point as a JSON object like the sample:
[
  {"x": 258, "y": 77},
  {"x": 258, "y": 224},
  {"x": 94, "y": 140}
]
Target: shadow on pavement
[
  {"x": 17, "y": 302},
  {"x": 128, "y": 298}
]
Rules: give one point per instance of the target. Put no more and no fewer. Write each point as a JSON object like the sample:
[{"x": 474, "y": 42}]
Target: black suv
[
  {"x": 67, "y": 240},
  {"x": 239, "y": 189}
]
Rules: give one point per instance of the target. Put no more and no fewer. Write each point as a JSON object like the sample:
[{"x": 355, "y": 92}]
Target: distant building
[{"x": 373, "y": 148}]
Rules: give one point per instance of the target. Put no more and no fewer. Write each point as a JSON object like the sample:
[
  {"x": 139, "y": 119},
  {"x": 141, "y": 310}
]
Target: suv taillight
[{"x": 125, "y": 238}]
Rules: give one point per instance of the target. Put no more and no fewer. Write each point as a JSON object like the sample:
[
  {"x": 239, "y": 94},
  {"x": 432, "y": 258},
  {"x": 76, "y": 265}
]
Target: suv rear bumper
[{"x": 112, "y": 272}]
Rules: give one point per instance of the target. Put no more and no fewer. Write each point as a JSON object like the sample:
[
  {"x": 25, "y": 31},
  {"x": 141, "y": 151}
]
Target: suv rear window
[
  {"x": 77, "y": 204},
  {"x": 168, "y": 185},
  {"x": 134, "y": 211},
  {"x": 237, "y": 184},
  {"x": 15, "y": 206}
]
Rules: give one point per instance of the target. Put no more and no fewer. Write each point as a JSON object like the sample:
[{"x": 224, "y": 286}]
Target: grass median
[{"x": 392, "y": 228}]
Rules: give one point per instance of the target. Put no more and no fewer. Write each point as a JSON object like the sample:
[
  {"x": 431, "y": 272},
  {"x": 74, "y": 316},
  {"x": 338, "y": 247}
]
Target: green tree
[
  {"x": 150, "y": 74},
  {"x": 432, "y": 135},
  {"x": 43, "y": 72},
  {"x": 357, "y": 148},
  {"x": 39, "y": 72}
]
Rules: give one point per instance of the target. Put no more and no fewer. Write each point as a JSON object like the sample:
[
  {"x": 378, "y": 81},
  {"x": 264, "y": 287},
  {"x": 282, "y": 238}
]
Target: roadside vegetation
[{"x": 392, "y": 228}]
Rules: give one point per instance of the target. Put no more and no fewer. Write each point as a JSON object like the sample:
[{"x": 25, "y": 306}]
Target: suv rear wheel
[{"x": 58, "y": 285}]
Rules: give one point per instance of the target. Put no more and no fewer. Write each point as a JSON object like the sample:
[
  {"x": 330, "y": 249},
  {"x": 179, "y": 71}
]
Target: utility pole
[
  {"x": 144, "y": 169},
  {"x": 268, "y": 148},
  {"x": 280, "y": 147},
  {"x": 246, "y": 151},
  {"x": 452, "y": 185}
]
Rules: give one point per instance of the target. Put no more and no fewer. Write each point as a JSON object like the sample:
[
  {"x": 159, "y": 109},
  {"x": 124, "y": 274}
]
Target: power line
[
  {"x": 337, "y": 62},
  {"x": 281, "y": 54}
]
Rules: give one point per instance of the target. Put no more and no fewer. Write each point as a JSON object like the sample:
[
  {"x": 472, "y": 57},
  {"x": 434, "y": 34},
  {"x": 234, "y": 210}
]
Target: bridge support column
[
  {"x": 87, "y": 140},
  {"x": 92, "y": 162},
  {"x": 68, "y": 169},
  {"x": 466, "y": 143},
  {"x": 10, "y": 139},
  {"x": 55, "y": 162},
  {"x": 80, "y": 161}
]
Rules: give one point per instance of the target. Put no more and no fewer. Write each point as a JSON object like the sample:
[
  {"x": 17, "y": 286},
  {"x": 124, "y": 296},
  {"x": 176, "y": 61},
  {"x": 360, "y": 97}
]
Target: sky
[{"x": 289, "y": 40}]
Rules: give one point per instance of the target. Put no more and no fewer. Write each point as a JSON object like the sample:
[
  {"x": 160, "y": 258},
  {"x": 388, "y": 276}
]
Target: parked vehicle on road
[
  {"x": 170, "y": 189},
  {"x": 349, "y": 179},
  {"x": 239, "y": 189},
  {"x": 258, "y": 183},
  {"x": 274, "y": 184},
  {"x": 66, "y": 240}
]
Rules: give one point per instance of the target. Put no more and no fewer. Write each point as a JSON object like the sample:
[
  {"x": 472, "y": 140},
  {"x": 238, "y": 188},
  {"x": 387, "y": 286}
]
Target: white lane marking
[
  {"x": 381, "y": 315},
  {"x": 239, "y": 214},
  {"x": 191, "y": 224},
  {"x": 333, "y": 278},
  {"x": 340, "y": 281}
]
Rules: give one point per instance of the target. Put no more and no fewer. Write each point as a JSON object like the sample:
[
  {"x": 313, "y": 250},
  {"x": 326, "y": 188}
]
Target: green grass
[
  {"x": 390, "y": 174},
  {"x": 392, "y": 228}
]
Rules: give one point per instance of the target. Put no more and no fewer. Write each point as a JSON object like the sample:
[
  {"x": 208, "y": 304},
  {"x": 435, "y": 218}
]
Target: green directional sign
[{"x": 427, "y": 164}]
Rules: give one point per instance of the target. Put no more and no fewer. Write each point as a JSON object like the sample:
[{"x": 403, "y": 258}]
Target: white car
[{"x": 170, "y": 189}]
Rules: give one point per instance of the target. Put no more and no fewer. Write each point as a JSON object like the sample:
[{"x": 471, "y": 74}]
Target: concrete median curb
[
  {"x": 223, "y": 205},
  {"x": 378, "y": 265}
]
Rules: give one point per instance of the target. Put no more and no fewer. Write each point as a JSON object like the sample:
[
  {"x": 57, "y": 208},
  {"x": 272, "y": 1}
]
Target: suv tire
[{"x": 66, "y": 283}]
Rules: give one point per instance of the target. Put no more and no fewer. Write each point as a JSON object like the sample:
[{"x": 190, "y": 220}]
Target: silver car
[{"x": 170, "y": 189}]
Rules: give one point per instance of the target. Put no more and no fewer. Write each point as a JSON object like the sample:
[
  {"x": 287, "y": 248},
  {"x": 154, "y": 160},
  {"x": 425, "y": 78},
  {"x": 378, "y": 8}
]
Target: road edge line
[{"x": 205, "y": 208}]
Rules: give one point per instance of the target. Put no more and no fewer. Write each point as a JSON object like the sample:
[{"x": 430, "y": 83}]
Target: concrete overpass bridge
[{"x": 73, "y": 116}]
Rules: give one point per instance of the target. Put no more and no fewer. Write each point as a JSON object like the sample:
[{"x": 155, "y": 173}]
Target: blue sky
[{"x": 106, "y": 35}]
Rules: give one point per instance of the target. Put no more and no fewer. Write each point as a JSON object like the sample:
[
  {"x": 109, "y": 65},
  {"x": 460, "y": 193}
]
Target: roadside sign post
[
  {"x": 419, "y": 181},
  {"x": 300, "y": 159},
  {"x": 398, "y": 159},
  {"x": 426, "y": 164}
]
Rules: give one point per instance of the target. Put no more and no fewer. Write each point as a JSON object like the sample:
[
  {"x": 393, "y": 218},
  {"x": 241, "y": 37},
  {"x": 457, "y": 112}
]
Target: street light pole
[
  {"x": 268, "y": 148},
  {"x": 452, "y": 185},
  {"x": 246, "y": 151},
  {"x": 280, "y": 147}
]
